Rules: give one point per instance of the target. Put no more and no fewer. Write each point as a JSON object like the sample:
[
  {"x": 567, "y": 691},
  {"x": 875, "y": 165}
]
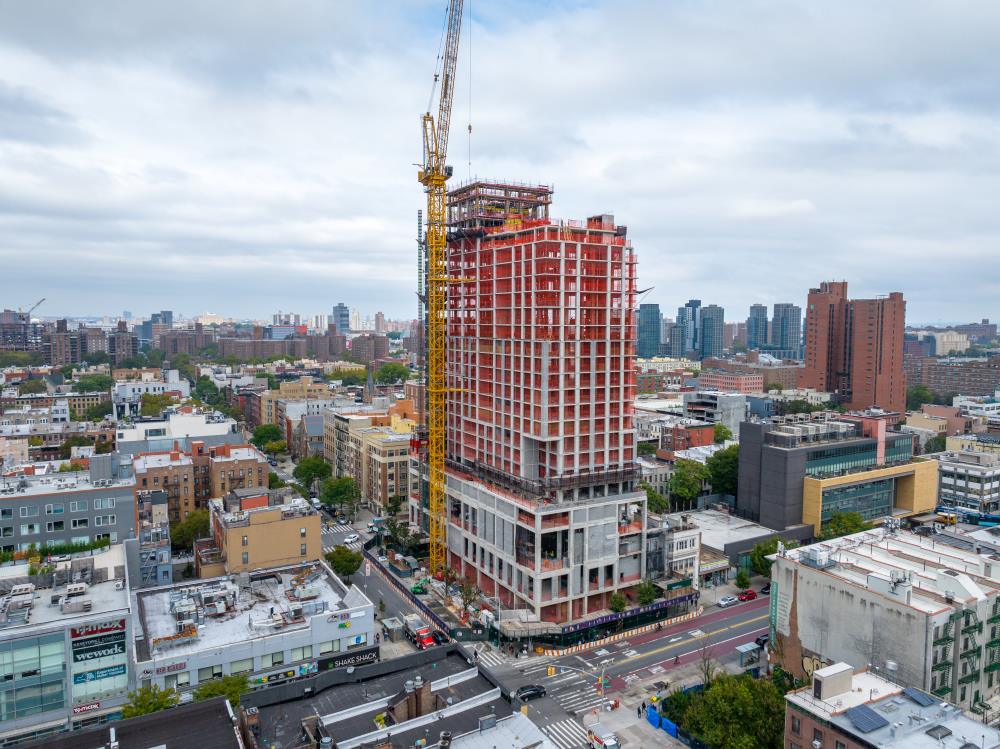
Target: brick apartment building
[
  {"x": 854, "y": 347},
  {"x": 543, "y": 510},
  {"x": 369, "y": 347},
  {"x": 785, "y": 374},
  {"x": 186, "y": 341},
  {"x": 731, "y": 382},
  {"x": 954, "y": 377},
  {"x": 191, "y": 478}
]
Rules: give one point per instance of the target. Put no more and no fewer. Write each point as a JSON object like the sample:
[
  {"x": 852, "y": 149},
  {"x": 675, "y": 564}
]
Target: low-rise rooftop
[
  {"x": 916, "y": 570},
  {"x": 879, "y": 713},
  {"x": 187, "y": 618},
  {"x": 81, "y": 587}
]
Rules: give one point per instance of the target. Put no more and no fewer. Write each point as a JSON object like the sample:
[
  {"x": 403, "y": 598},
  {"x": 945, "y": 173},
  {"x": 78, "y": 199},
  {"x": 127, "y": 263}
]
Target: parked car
[
  {"x": 762, "y": 641},
  {"x": 747, "y": 595},
  {"x": 383, "y": 558},
  {"x": 766, "y": 590},
  {"x": 342, "y": 519},
  {"x": 529, "y": 692},
  {"x": 439, "y": 637},
  {"x": 350, "y": 538},
  {"x": 727, "y": 601},
  {"x": 272, "y": 462}
]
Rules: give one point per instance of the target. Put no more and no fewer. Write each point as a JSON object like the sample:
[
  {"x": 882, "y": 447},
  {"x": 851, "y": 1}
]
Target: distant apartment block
[
  {"x": 190, "y": 478},
  {"x": 970, "y": 481},
  {"x": 716, "y": 407},
  {"x": 731, "y": 382},
  {"x": 126, "y": 395},
  {"x": 368, "y": 347},
  {"x": 854, "y": 347},
  {"x": 970, "y": 377},
  {"x": 179, "y": 426}
]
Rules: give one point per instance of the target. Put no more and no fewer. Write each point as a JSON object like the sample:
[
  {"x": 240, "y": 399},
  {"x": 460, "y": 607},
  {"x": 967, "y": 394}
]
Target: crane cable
[{"x": 469, "y": 35}]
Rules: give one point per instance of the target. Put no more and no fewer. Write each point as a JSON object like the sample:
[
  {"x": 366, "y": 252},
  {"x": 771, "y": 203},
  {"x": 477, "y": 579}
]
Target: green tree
[
  {"x": 21, "y": 358},
  {"x": 722, "y": 433},
  {"x": 646, "y": 592},
  {"x": 394, "y": 505},
  {"x": 32, "y": 387},
  {"x": 723, "y": 470},
  {"x": 77, "y": 440},
  {"x": 344, "y": 562},
  {"x": 686, "y": 482},
  {"x": 346, "y": 377},
  {"x": 208, "y": 392},
  {"x": 146, "y": 700},
  {"x": 468, "y": 592},
  {"x": 918, "y": 395},
  {"x": 184, "y": 365},
  {"x": 742, "y": 578},
  {"x": 153, "y": 404},
  {"x": 655, "y": 501},
  {"x": 231, "y": 687},
  {"x": 341, "y": 492},
  {"x": 312, "y": 468},
  {"x": 759, "y": 562},
  {"x": 935, "y": 444},
  {"x": 99, "y": 411},
  {"x": 275, "y": 447},
  {"x": 738, "y": 712},
  {"x": 392, "y": 372},
  {"x": 843, "y": 524},
  {"x": 647, "y": 448},
  {"x": 617, "y": 602},
  {"x": 184, "y": 533},
  {"x": 274, "y": 481},
  {"x": 265, "y": 433},
  {"x": 71, "y": 467},
  {"x": 94, "y": 383},
  {"x": 773, "y": 386}
]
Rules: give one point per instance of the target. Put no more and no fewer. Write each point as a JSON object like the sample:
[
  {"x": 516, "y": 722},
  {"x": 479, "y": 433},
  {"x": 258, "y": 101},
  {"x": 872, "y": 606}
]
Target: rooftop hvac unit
[
  {"x": 22, "y": 589},
  {"x": 76, "y": 589}
]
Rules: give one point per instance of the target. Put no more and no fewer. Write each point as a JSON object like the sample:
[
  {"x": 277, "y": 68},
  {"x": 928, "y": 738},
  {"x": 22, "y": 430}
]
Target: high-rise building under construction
[{"x": 543, "y": 512}]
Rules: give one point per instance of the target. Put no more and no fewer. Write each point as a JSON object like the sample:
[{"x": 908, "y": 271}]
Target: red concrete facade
[{"x": 541, "y": 352}]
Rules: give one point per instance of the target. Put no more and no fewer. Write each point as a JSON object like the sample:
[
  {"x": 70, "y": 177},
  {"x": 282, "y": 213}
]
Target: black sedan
[
  {"x": 440, "y": 637},
  {"x": 529, "y": 692}
]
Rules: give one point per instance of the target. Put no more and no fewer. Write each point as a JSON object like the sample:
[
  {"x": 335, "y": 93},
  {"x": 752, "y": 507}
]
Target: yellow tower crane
[{"x": 433, "y": 176}]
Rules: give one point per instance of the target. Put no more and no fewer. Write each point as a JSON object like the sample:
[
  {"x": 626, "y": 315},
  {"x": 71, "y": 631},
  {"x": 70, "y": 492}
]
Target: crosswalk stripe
[{"x": 567, "y": 734}]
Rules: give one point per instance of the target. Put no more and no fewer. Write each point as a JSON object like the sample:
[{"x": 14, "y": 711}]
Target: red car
[{"x": 747, "y": 595}]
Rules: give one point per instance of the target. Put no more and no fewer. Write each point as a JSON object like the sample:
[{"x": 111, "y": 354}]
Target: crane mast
[{"x": 433, "y": 176}]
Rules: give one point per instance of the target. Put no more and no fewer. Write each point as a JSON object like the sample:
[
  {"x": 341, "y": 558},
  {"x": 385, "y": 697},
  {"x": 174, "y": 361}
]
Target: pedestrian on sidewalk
[{"x": 644, "y": 705}]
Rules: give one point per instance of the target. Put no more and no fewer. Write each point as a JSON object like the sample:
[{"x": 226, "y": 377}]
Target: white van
[{"x": 601, "y": 738}]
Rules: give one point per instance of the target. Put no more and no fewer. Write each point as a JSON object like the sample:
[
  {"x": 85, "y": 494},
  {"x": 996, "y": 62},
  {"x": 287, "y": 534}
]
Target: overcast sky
[{"x": 244, "y": 157}]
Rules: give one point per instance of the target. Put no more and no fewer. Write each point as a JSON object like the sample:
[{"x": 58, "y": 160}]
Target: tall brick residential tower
[{"x": 854, "y": 347}]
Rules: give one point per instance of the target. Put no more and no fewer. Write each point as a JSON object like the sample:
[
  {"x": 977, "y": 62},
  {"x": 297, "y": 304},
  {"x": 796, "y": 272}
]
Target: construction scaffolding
[{"x": 488, "y": 204}]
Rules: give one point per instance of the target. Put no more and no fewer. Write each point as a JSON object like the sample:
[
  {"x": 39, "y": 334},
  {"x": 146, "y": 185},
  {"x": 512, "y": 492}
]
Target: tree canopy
[
  {"x": 722, "y": 433},
  {"x": 646, "y": 448},
  {"x": 93, "y": 383},
  {"x": 231, "y": 687},
  {"x": 312, "y": 468},
  {"x": 759, "y": 562},
  {"x": 343, "y": 561},
  {"x": 686, "y": 482},
  {"x": 843, "y": 524},
  {"x": 153, "y": 404},
  {"x": 33, "y": 386},
  {"x": 646, "y": 592},
  {"x": 265, "y": 433},
  {"x": 723, "y": 470},
  {"x": 935, "y": 444},
  {"x": 150, "y": 699},
  {"x": 618, "y": 602},
  {"x": 341, "y": 492},
  {"x": 391, "y": 372},
  {"x": 76, "y": 440},
  {"x": 184, "y": 533},
  {"x": 655, "y": 502},
  {"x": 99, "y": 411},
  {"x": 737, "y": 712}
]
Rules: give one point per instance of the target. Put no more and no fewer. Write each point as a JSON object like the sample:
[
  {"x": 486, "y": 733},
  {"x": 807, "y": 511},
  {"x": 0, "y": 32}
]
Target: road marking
[
  {"x": 602, "y": 652},
  {"x": 657, "y": 669},
  {"x": 567, "y": 734},
  {"x": 630, "y": 653},
  {"x": 703, "y": 634},
  {"x": 622, "y": 644},
  {"x": 714, "y": 644},
  {"x": 629, "y": 678},
  {"x": 675, "y": 639},
  {"x": 696, "y": 633}
]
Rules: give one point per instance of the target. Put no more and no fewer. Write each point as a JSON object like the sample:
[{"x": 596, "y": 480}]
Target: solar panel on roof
[
  {"x": 919, "y": 697},
  {"x": 865, "y": 719}
]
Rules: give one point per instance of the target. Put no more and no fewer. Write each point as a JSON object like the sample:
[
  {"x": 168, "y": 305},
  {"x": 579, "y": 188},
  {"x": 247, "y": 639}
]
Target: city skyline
[{"x": 284, "y": 167}]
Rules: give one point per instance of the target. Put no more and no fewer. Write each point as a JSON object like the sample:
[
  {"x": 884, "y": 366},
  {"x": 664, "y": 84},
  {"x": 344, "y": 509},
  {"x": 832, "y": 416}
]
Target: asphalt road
[{"x": 572, "y": 690}]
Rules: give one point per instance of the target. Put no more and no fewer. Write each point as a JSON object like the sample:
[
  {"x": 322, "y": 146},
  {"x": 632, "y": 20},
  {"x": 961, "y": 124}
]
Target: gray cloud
[{"x": 194, "y": 155}]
